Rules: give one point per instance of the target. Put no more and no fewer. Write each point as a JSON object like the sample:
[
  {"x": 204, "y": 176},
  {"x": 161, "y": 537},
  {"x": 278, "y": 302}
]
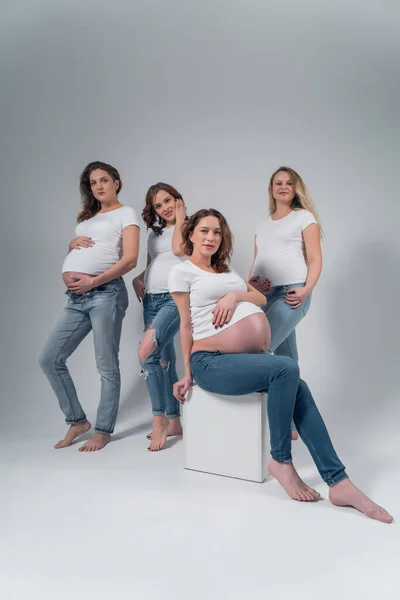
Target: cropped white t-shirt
[
  {"x": 163, "y": 259},
  {"x": 205, "y": 289},
  {"x": 105, "y": 229},
  {"x": 279, "y": 244}
]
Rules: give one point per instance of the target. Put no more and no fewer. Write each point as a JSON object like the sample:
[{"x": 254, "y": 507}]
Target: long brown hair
[
  {"x": 91, "y": 206},
  {"x": 149, "y": 215},
  {"x": 221, "y": 259},
  {"x": 302, "y": 198}
]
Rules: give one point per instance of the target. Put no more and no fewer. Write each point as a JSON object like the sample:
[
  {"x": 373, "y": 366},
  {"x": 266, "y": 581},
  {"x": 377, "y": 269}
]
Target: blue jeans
[
  {"x": 160, "y": 313},
  {"x": 288, "y": 398},
  {"x": 100, "y": 310},
  {"x": 283, "y": 320}
]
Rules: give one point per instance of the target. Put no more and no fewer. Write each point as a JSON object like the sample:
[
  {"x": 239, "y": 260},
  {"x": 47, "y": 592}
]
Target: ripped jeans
[{"x": 160, "y": 313}]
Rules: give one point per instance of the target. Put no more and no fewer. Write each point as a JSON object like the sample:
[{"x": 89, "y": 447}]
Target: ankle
[{"x": 159, "y": 420}]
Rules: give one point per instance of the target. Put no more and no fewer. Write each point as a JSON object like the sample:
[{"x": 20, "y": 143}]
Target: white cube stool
[{"x": 226, "y": 435}]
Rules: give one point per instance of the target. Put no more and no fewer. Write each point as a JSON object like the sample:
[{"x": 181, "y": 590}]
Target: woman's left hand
[
  {"x": 180, "y": 211},
  {"x": 296, "y": 296},
  {"x": 81, "y": 284},
  {"x": 181, "y": 387},
  {"x": 224, "y": 310}
]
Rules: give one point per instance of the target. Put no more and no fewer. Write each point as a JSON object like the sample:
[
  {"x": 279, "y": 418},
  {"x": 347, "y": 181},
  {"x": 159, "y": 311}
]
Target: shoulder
[
  {"x": 128, "y": 216},
  {"x": 304, "y": 217},
  {"x": 151, "y": 237},
  {"x": 180, "y": 277},
  {"x": 183, "y": 268}
]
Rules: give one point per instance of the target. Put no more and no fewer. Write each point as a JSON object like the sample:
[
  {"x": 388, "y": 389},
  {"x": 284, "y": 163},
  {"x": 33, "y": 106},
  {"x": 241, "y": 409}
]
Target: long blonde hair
[{"x": 302, "y": 199}]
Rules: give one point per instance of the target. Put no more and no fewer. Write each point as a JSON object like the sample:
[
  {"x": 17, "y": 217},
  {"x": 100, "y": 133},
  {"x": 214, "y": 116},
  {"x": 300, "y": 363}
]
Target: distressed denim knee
[
  {"x": 153, "y": 375},
  {"x": 161, "y": 318}
]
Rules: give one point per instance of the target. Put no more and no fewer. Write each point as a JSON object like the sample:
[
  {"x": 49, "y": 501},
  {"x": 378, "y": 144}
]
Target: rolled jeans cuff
[{"x": 335, "y": 480}]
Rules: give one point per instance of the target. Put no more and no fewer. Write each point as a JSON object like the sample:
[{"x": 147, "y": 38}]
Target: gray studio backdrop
[{"x": 211, "y": 97}]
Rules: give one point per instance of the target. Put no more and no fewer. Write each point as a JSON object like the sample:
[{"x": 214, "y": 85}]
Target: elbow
[
  {"x": 186, "y": 329},
  {"x": 177, "y": 250},
  {"x": 262, "y": 299},
  {"x": 131, "y": 263},
  {"x": 315, "y": 263}
]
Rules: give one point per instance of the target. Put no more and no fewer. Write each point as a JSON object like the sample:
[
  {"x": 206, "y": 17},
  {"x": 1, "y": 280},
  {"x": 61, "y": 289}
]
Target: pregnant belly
[
  {"x": 69, "y": 276},
  {"x": 251, "y": 335}
]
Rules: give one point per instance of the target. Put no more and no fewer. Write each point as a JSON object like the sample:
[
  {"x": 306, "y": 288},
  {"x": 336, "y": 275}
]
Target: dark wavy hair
[
  {"x": 91, "y": 206},
  {"x": 149, "y": 215},
  {"x": 221, "y": 259}
]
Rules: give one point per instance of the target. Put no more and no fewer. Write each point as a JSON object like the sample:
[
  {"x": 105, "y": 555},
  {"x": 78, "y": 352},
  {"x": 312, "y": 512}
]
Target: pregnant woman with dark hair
[
  {"x": 106, "y": 247},
  {"x": 225, "y": 336}
]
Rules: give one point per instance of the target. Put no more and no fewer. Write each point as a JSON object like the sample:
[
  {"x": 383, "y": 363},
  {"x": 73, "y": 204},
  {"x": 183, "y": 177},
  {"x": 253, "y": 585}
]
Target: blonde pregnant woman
[
  {"x": 106, "y": 247},
  {"x": 225, "y": 337}
]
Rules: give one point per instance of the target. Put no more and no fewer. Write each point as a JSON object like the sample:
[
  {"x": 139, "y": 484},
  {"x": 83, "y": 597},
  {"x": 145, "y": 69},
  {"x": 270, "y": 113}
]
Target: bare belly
[
  {"x": 251, "y": 335},
  {"x": 69, "y": 276}
]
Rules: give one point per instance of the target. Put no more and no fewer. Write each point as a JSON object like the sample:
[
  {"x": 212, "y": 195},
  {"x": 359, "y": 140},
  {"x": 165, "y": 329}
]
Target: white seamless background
[{"x": 210, "y": 97}]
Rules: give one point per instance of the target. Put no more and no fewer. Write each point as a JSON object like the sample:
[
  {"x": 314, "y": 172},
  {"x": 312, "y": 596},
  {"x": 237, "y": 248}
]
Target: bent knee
[
  {"x": 290, "y": 366},
  {"x": 44, "y": 362},
  {"x": 48, "y": 363},
  {"x": 147, "y": 345}
]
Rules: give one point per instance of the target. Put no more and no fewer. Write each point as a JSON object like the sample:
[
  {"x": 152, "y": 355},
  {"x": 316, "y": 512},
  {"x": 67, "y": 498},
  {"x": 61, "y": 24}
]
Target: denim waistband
[
  {"x": 113, "y": 284},
  {"x": 160, "y": 296},
  {"x": 288, "y": 285},
  {"x": 118, "y": 281}
]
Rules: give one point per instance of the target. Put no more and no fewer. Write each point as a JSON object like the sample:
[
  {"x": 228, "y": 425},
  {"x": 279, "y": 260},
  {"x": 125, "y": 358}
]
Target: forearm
[
  {"x": 254, "y": 296},
  {"x": 251, "y": 271},
  {"x": 186, "y": 344},
  {"x": 314, "y": 271},
  {"x": 177, "y": 239},
  {"x": 123, "y": 266},
  {"x": 141, "y": 276}
]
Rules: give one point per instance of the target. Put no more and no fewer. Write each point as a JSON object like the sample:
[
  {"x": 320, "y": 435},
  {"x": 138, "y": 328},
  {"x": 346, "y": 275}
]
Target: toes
[{"x": 314, "y": 494}]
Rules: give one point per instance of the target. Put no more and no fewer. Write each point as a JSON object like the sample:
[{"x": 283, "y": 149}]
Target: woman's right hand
[
  {"x": 138, "y": 286},
  {"x": 81, "y": 242},
  {"x": 181, "y": 388},
  {"x": 262, "y": 285}
]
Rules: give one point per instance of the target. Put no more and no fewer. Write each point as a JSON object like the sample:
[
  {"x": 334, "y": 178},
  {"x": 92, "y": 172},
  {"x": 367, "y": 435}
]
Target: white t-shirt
[
  {"x": 280, "y": 255},
  {"x": 162, "y": 260},
  {"x": 105, "y": 229},
  {"x": 205, "y": 290}
]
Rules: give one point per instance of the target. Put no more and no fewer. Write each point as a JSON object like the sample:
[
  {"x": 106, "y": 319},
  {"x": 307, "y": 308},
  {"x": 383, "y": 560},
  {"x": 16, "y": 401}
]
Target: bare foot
[
  {"x": 287, "y": 476},
  {"x": 159, "y": 434},
  {"x": 295, "y": 435},
  {"x": 345, "y": 493},
  {"x": 74, "y": 431},
  {"x": 174, "y": 428},
  {"x": 96, "y": 442}
]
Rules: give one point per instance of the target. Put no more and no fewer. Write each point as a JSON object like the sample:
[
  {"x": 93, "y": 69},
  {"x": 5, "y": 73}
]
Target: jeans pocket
[
  {"x": 106, "y": 289},
  {"x": 124, "y": 299},
  {"x": 306, "y": 305}
]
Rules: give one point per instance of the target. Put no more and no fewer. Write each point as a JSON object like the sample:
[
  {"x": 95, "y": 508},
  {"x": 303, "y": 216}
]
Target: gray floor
[{"x": 123, "y": 521}]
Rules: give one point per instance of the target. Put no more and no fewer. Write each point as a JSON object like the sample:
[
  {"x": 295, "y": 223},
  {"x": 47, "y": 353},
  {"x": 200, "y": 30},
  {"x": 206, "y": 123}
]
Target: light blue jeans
[
  {"x": 283, "y": 320},
  {"x": 160, "y": 313},
  {"x": 100, "y": 310},
  {"x": 288, "y": 398}
]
